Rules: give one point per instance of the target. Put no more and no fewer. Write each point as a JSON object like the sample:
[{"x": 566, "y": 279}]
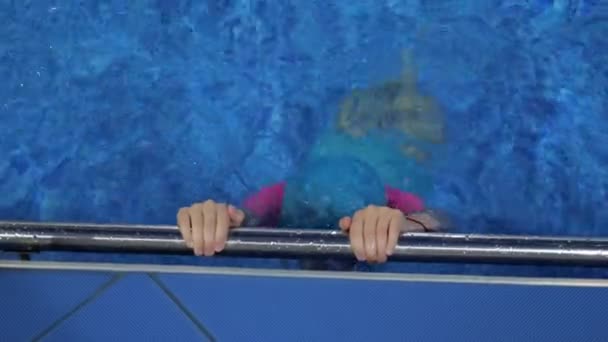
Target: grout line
[
  {"x": 199, "y": 325},
  {"x": 105, "y": 286}
]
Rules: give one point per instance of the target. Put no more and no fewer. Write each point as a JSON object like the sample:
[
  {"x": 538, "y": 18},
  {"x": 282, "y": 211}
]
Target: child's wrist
[{"x": 414, "y": 225}]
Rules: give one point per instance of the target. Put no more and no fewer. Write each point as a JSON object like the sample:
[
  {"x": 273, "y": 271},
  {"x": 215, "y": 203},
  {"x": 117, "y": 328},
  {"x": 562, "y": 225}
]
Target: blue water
[{"x": 120, "y": 111}]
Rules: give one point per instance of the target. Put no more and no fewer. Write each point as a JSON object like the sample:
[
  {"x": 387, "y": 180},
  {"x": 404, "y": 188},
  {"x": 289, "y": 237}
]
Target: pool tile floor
[
  {"x": 134, "y": 308},
  {"x": 28, "y": 311}
]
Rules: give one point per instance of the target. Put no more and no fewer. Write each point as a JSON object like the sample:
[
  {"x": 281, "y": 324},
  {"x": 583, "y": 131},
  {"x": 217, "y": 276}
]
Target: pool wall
[{"x": 102, "y": 302}]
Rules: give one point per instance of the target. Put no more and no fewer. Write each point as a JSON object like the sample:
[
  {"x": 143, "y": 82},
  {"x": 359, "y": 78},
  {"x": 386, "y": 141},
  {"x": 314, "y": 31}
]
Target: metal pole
[{"x": 302, "y": 243}]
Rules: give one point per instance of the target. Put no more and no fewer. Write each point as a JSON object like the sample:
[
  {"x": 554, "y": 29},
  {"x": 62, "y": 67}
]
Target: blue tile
[
  {"x": 9, "y": 256},
  {"x": 134, "y": 309},
  {"x": 30, "y": 301},
  {"x": 239, "y": 308}
]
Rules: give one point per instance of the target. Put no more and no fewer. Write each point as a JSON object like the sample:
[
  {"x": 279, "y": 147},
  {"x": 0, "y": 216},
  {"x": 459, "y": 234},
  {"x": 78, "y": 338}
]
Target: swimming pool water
[{"x": 115, "y": 111}]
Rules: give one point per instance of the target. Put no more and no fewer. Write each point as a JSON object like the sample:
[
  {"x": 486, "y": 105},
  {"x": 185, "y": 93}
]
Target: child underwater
[
  {"x": 354, "y": 178},
  {"x": 328, "y": 192}
]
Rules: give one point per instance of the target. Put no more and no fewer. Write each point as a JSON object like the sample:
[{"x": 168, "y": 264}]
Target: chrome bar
[{"x": 303, "y": 243}]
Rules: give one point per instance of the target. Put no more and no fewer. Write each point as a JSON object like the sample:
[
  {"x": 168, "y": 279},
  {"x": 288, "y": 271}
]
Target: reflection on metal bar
[{"x": 302, "y": 243}]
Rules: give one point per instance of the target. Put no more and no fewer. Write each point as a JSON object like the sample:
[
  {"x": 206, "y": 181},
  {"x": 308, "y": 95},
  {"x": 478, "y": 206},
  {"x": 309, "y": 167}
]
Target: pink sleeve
[
  {"x": 266, "y": 204},
  {"x": 406, "y": 202}
]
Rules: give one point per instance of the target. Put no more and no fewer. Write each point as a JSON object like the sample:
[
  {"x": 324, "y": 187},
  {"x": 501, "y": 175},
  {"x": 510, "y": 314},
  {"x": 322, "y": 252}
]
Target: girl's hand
[
  {"x": 204, "y": 226},
  {"x": 374, "y": 231}
]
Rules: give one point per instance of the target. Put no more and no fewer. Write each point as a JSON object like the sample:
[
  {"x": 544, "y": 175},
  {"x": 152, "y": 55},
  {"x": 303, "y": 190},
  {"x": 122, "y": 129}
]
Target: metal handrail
[{"x": 303, "y": 243}]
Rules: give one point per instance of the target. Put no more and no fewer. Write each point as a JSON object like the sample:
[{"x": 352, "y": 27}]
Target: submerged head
[{"x": 328, "y": 188}]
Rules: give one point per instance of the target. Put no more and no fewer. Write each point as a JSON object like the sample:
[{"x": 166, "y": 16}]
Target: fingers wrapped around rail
[{"x": 303, "y": 243}]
